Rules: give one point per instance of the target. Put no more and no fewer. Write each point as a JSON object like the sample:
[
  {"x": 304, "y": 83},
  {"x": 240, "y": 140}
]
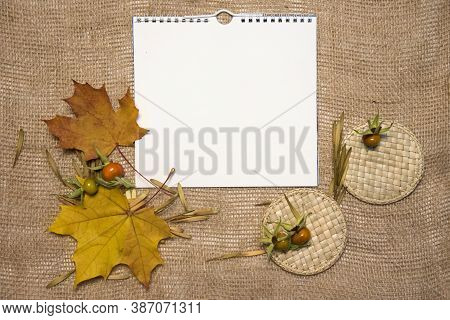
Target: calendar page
[{"x": 227, "y": 105}]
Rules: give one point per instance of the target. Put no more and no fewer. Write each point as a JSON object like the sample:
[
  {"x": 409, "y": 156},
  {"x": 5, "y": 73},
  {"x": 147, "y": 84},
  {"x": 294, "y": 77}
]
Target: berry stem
[
  {"x": 129, "y": 163},
  {"x": 172, "y": 171}
]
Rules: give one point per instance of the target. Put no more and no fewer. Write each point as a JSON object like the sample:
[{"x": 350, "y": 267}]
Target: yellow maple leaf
[
  {"x": 96, "y": 123},
  {"x": 109, "y": 233}
]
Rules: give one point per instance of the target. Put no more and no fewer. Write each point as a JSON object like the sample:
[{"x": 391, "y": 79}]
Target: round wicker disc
[
  {"x": 326, "y": 223},
  {"x": 387, "y": 173}
]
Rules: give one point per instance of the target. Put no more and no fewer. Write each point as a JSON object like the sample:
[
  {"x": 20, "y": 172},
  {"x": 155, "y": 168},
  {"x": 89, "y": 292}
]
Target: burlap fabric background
[{"x": 386, "y": 55}]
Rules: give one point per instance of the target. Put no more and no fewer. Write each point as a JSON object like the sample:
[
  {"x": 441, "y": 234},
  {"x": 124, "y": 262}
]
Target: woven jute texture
[
  {"x": 387, "y": 173},
  {"x": 326, "y": 223},
  {"x": 391, "y": 56}
]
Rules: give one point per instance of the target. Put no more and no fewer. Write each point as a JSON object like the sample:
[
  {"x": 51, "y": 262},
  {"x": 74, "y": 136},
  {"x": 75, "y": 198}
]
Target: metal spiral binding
[
  {"x": 170, "y": 19},
  {"x": 245, "y": 18},
  {"x": 272, "y": 19}
]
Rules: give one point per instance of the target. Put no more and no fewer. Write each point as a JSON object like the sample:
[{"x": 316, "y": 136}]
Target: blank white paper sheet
[{"x": 227, "y": 105}]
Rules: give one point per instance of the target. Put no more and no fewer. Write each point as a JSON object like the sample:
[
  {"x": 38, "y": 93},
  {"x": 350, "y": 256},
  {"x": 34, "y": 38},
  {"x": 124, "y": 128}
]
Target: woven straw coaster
[
  {"x": 326, "y": 223},
  {"x": 387, "y": 173}
]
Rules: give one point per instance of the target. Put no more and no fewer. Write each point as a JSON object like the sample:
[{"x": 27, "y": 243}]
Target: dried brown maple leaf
[{"x": 96, "y": 123}]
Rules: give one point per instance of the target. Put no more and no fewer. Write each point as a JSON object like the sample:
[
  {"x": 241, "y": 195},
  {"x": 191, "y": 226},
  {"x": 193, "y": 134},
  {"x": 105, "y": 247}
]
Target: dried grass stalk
[
  {"x": 78, "y": 170},
  {"x": 55, "y": 169},
  {"x": 163, "y": 187},
  {"x": 205, "y": 212},
  {"x": 82, "y": 159},
  {"x": 19, "y": 147},
  {"x": 68, "y": 201},
  {"x": 59, "y": 279},
  {"x": 341, "y": 157},
  {"x": 179, "y": 219},
  {"x": 166, "y": 204},
  {"x": 177, "y": 231},
  {"x": 263, "y": 203},
  {"x": 182, "y": 197},
  {"x": 138, "y": 201},
  {"x": 123, "y": 276},
  {"x": 250, "y": 253}
]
